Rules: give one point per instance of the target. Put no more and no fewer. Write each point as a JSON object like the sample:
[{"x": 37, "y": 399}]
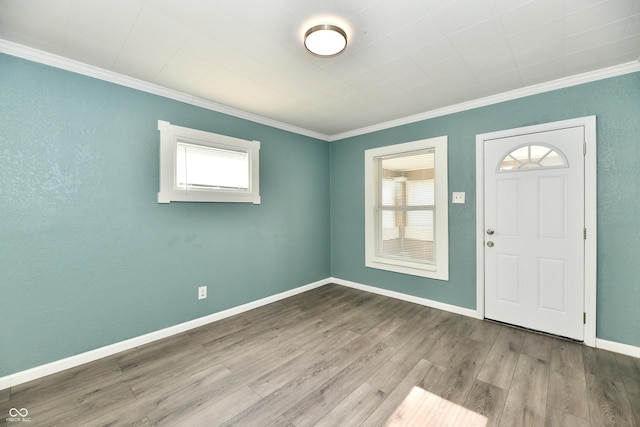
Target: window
[
  {"x": 198, "y": 166},
  {"x": 406, "y": 204},
  {"x": 533, "y": 156}
]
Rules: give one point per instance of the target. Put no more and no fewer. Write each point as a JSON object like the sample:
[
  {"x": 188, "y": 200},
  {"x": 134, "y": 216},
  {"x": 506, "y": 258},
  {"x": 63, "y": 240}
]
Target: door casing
[{"x": 590, "y": 261}]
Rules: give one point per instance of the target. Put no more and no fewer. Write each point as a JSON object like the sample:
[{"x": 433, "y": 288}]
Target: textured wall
[
  {"x": 615, "y": 102},
  {"x": 89, "y": 258},
  {"x": 87, "y": 255}
]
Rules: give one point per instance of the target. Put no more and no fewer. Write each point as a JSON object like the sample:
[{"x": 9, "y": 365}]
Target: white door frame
[{"x": 590, "y": 201}]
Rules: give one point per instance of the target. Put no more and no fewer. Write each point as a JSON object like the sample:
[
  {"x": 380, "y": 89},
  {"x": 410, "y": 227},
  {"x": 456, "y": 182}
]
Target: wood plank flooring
[{"x": 336, "y": 356}]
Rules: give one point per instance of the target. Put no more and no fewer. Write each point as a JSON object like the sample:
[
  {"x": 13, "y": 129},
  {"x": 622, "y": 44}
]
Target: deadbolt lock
[{"x": 489, "y": 231}]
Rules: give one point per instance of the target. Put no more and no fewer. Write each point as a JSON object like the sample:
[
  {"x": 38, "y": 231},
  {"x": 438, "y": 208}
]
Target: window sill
[{"x": 413, "y": 269}]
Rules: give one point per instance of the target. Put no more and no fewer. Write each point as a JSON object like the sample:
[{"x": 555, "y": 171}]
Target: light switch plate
[{"x": 457, "y": 197}]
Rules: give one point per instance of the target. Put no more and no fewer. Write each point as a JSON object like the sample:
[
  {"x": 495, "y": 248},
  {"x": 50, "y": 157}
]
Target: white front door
[{"x": 534, "y": 217}]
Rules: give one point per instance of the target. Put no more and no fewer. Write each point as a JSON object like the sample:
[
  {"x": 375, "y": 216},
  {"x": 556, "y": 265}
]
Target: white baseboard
[
  {"x": 617, "y": 347},
  {"x": 409, "y": 298},
  {"x": 5, "y": 382},
  {"x": 90, "y": 356}
]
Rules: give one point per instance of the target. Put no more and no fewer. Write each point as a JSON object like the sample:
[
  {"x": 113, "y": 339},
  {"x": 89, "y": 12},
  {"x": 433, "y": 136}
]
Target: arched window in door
[{"x": 533, "y": 156}]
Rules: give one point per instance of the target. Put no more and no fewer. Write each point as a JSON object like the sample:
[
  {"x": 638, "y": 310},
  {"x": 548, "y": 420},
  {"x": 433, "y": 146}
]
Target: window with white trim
[
  {"x": 198, "y": 166},
  {"x": 533, "y": 156},
  {"x": 406, "y": 217}
]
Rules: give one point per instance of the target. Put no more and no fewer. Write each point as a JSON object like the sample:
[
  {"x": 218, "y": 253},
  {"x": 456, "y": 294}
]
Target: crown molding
[
  {"x": 77, "y": 67},
  {"x": 605, "y": 73},
  {"x": 67, "y": 64}
]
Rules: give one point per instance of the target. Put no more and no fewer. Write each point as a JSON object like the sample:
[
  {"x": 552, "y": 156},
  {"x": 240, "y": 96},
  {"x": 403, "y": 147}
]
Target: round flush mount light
[{"x": 325, "y": 40}]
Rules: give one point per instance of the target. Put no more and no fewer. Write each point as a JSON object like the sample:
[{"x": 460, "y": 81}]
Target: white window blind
[
  {"x": 406, "y": 208},
  {"x": 421, "y": 192},
  {"x": 199, "y": 166}
]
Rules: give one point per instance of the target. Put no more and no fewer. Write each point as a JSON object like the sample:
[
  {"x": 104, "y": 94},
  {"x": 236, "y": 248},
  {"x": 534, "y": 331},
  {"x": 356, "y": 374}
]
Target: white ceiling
[{"x": 404, "y": 57}]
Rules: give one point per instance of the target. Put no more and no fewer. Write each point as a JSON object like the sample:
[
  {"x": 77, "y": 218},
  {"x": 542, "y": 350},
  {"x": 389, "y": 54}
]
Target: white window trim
[
  {"x": 440, "y": 270},
  {"x": 170, "y": 135}
]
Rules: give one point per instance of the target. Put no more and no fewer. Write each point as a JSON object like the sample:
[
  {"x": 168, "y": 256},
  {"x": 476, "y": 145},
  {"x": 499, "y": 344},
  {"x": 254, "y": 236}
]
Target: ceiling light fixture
[{"x": 325, "y": 40}]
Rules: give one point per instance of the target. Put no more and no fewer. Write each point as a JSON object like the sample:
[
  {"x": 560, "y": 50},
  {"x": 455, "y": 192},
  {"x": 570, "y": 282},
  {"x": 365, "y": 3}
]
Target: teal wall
[
  {"x": 615, "y": 102},
  {"x": 89, "y": 258},
  {"x": 87, "y": 255}
]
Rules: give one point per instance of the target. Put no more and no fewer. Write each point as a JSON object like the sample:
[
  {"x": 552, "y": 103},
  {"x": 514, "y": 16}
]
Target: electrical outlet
[
  {"x": 202, "y": 292},
  {"x": 458, "y": 197}
]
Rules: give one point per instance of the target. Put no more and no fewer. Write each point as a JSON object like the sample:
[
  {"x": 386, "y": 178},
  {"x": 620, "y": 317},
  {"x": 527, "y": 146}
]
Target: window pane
[
  {"x": 552, "y": 159},
  {"x": 412, "y": 176},
  {"x": 421, "y": 192},
  {"x": 200, "y": 166},
  {"x": 422, "y": 220},
  {"x": 407, "y": 182},
  {"x": 388, "y": 192},
  {"x": 408, "y": 235},
  {"x": 538, "y": 152},
  {"x": 521, "y": 154},
  {"x": 532, "y": 157},
  {"x": 390, "y": 228}
]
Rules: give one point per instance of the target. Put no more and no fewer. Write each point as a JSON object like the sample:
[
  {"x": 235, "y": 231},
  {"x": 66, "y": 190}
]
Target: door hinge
[
  {"x": 584, "y": 234},
  {"x": 584, "y": 318},
  {"x": 584, "y": 148}
]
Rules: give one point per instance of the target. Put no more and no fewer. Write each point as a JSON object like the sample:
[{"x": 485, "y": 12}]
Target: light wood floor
[{"x": 336, "y": 356}]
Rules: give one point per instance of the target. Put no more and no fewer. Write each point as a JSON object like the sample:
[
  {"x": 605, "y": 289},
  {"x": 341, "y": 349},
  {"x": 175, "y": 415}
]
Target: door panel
[
  {"x": 508, "y": 202},
  {"x": 553, "y": 284},
  {"x": 534, "y": 206},
  {"x": 552, "y": 209},
  {"x": 508, "y": 278}
]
